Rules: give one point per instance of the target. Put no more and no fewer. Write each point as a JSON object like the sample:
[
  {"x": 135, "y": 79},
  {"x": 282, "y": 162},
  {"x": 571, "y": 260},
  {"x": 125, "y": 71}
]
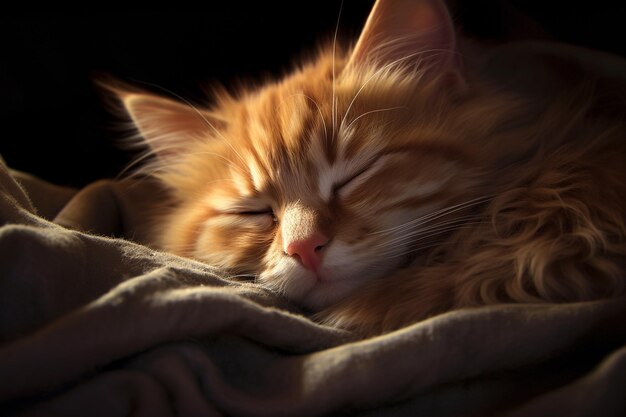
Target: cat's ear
[
  {"x": 167, "y": 126},
  {"x": 413, "y": 34}
]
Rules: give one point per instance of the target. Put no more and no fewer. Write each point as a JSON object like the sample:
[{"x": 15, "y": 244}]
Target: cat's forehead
[
  {"x": 315, "y": 107},
  {"x": 311, "y": 131},
  {"x": 296, "y": 149}
]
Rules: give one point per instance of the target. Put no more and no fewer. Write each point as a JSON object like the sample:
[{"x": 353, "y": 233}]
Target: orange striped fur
[{"x": 435, "y": 194}]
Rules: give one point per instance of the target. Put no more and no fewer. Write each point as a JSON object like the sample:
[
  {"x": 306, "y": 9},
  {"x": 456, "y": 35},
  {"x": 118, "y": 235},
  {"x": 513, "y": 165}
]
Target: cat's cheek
[{"x": 235, "y": 244}]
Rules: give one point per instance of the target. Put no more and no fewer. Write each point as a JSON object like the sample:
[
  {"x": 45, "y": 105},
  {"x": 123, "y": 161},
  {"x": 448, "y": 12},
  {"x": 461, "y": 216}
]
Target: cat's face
[{"x": 321, "y": 182}]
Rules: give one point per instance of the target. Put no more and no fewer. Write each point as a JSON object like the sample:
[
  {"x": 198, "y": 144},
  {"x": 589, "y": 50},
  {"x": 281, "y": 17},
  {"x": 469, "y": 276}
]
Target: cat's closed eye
[
  {"x": 353, "y": 180},
  {"x": 337, "y": 187},
  {"x": 268, "y": 212},
  {"x": 257, "y": 214},
  {"x": 253, "y": 212}
]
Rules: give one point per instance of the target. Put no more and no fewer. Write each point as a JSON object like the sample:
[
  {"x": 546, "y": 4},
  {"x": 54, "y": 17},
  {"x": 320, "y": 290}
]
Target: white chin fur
[
  {"x": 338, "y": 281},
  {"x": 304, "y": 288}
]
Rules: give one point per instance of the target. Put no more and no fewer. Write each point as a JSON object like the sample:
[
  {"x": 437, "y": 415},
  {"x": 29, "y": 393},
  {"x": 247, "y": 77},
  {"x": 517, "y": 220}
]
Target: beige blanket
[{"x": 96, "y": 326}]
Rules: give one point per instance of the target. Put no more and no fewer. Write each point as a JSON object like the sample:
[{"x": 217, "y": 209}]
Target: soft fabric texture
[{"x": 92, "y": 325}]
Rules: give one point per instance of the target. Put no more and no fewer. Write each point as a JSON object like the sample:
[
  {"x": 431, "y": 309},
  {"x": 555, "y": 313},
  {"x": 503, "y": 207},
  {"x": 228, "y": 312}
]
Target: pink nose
[{"x": 308, "y": 251}]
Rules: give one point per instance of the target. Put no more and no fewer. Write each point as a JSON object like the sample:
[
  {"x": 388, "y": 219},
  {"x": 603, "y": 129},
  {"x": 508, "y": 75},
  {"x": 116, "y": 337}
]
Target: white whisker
[
  {"x": 434, "y": 227},
  {"x": 373, "y": 111},
  {"x": 430, "y": 225},
  {"x": 382, "y": 69},
  {"x": 420, "y": 248},
  {"x": 416, "y": 238},
  {"x": 334, "y": 99},
  {"x": 437, "y": 214}
]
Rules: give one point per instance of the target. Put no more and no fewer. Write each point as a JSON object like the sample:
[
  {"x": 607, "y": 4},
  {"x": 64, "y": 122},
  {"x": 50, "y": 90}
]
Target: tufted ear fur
[
  {"x": 167, "y": 126},
  {"x": 413, "y": 34}
]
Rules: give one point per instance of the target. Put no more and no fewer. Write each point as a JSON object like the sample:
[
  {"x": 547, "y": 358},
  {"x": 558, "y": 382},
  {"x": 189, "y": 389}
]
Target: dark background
[{"x": 53, "y": 118}]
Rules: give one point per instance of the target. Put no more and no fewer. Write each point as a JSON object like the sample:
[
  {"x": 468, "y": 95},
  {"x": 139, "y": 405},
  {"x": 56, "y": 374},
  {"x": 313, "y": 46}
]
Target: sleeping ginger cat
[{"x": 401, "y": 178}]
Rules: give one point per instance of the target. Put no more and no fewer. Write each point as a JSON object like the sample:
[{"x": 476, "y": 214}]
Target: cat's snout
[{"x": 308, "y": 251}]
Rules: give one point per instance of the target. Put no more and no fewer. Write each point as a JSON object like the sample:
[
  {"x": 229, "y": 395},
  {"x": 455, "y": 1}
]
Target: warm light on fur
[{"x": 436, "y": 193}]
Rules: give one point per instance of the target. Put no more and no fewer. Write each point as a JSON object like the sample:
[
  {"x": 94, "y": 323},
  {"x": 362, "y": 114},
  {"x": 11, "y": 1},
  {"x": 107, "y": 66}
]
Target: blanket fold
[{"x": 96, "y": 325}]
